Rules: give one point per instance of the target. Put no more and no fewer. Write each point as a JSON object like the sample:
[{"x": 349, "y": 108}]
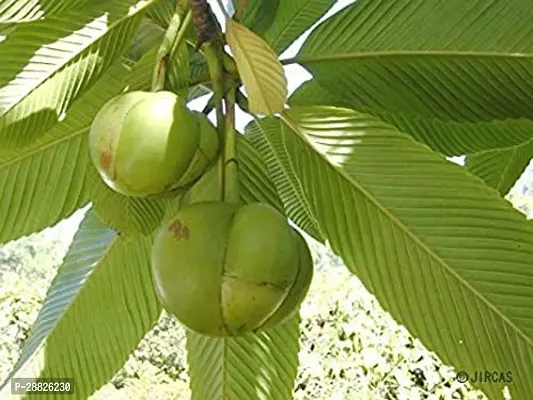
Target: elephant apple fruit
[
  {"x": 146, "y": 143},
  {"x": 224, "y": 269}
]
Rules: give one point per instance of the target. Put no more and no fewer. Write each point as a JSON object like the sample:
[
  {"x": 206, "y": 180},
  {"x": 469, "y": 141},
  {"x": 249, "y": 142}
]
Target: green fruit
[
  {"x": 224, "y": 269},
  {"x": 206, "y": 151},
  {"x": 145, "y": 143}
]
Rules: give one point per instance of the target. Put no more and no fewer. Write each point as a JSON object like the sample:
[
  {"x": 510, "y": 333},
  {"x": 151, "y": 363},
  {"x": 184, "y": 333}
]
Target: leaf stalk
[
  {"x": 174, "y": 37},
  {"x": 213, "y": 54},
  {"x": 231, "y": 192}
]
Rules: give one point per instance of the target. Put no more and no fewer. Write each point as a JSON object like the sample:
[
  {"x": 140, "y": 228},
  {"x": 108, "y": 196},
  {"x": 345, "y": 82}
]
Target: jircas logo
[{"x": 485, "y": 376}]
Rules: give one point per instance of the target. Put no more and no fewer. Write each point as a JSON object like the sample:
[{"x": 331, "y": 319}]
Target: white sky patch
[{"x": 459, "y": 160}]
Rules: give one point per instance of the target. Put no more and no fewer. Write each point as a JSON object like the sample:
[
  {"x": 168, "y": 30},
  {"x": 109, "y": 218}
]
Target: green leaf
[
  {"x": 199, "y": 80},
  {"x": 402, "y": 58},
  {"x": 448, "y": 137},
  {"x": 259, "y": 366},
  {"x": 258, "y": 15},
  {"x": 128, "y": 215},
  {"x": 178, "y": 71},
  {"x": 177, "y": 80},
  {"x": 98, "y": 308},
  {"x": 501, "y": 169},
  {"x": 197, "y": 91},
  {"x": 198, "y": 65},
  {"x": 51, "y": 63},
  {"x": 442, "y": 252},
  {"x": 283, "y": 176},
  {"x": 254, "y": 180},
  {"x": 47, "y": 181},
  {"x": 16, "y": 11},
  {"x": 292, "y": 19},
  {"x": 147, "y": 37},
  {"x": 261, "y": 72},
  {"x": 161, "y": 13}
]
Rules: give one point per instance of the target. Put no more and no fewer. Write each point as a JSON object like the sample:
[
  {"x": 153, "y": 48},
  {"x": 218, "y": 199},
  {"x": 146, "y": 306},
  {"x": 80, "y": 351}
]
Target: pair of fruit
[{"x": 221, "y": 269}]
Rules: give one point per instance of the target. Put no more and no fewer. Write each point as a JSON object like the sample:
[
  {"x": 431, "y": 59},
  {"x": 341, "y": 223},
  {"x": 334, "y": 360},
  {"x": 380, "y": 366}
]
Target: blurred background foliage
[{"x": 350, "y": 347}]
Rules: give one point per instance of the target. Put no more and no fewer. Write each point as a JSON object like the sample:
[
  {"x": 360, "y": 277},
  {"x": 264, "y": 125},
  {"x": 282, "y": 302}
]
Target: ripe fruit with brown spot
[
  {"x": 223, "y": 269},
  {"x": 145, "y": 143}
]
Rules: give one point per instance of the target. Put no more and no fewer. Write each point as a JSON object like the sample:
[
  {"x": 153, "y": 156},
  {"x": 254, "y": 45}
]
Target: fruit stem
[
  {"x": 173, "y": 38},
  {"x": 213, "y": 54},
  {"x": 231, "y": 165}
]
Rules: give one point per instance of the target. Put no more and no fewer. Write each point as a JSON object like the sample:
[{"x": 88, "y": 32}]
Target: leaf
[
  {"x": 442, "y": 252},
  {"x": 198, "y": 65},
  {"x": 199, "y": 80},
  {"x": 402, "y": 58},
  {"x": 161, "y": 13},
  {"x": 178, "y": 71},
  {"x": 261, "y": 73},
  {"x": 197, "y": 91},
  {"x": 98, "y": 308},
  {"x": 501, "y": 169},
  {"x": 448, "y": 137},
  {"x": 254, "y": 180},
  {"x": 258, "y": 15},
  {"x": 292, "y": 19},
  {"x": 259, "y": 366},
  {"x": 51, "y": 63},
  {"x": 128, "y": 215},
  {"x": 147, "y": 37},
  {"x": 286, "y": 182},
  {"x": 47, "y": 181},
  {"x": 16, "y": 11}
]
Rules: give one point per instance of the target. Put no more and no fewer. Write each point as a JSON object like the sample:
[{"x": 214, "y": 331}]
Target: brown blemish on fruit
[
  {"x": 105, "y": 159},
  {"x": 179, "y": 229}
]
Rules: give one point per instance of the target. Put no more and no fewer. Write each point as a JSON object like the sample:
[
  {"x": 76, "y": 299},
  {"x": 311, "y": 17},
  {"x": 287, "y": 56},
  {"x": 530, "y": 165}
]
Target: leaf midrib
[
  {"x": 409, "y": 233},
  {"x": 303, "y": 59},
  {"x": 43, "y": 148}
]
